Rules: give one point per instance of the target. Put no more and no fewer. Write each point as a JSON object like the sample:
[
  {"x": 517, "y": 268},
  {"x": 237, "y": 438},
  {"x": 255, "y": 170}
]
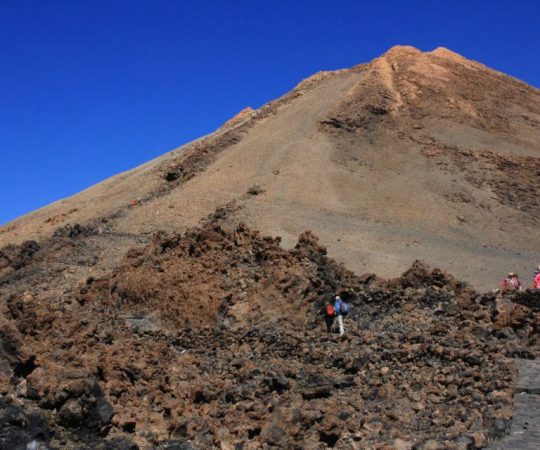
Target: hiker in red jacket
[{"x": 329, "y": 312}]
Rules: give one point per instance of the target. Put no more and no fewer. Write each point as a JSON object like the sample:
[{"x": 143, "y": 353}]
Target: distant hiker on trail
[
  {"x": 536, "y": 279},
  {"x": 329, "y": 312},
  {"x": 335, "y": 308},
  {"x": 338, "y": 305},
  {"x": 511, "y": 282}
]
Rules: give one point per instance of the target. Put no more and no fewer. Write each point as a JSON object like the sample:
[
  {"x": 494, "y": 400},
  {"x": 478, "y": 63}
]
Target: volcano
[
  {"x": 411, "y": 156},
  {"x": 177, "y": 305}
]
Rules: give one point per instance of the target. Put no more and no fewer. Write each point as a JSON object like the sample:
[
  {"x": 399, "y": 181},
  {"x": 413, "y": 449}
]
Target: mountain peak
[
  {"x": 402, "y": 50},
  {"x": 443, "y": 52},
  {"x": 408, "y": 51}
]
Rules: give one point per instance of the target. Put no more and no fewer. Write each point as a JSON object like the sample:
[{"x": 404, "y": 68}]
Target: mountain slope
[
  {"x": 414, "y": 155},
  {"x": 142, "y": 312}
]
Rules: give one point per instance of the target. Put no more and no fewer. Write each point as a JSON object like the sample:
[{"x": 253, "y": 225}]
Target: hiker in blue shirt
[{"x": 338, "y": 306}]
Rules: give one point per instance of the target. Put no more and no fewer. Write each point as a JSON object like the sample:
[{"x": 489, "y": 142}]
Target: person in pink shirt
[
  {"x": 536, "y": 279},
  {"x": 511, "y": 282}
]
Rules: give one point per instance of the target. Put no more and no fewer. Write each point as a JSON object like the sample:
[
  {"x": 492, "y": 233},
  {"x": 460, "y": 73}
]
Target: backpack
[
  {"x": 346, "y": 308},
  {"x": 330, "y": 310},
  {"x": 508, "y": 283}
]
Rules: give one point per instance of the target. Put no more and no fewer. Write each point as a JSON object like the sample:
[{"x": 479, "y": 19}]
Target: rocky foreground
[{"x": 213, "y": 339}]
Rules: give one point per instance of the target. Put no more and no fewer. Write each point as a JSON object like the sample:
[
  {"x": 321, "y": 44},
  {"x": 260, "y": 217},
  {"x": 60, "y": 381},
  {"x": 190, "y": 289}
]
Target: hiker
[
  {"x": 329, "y": 312},
  {"x": 536, "y": 279},
  {"x": 338, "y": 306},
  {"x": 511, "y": 282}
]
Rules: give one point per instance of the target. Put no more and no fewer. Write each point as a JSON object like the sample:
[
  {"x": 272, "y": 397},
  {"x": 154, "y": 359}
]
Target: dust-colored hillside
[{"x": 414, "y": 155}]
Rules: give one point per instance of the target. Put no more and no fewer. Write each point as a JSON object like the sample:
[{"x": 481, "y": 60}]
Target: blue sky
[{"x": 91, "y": 88}]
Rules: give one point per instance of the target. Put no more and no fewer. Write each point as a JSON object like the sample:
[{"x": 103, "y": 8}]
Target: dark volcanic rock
[
  {"x": 214, "y": 339},
  {"x": 15, "y": 357},
  {"x": 22, "y": 429}
]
